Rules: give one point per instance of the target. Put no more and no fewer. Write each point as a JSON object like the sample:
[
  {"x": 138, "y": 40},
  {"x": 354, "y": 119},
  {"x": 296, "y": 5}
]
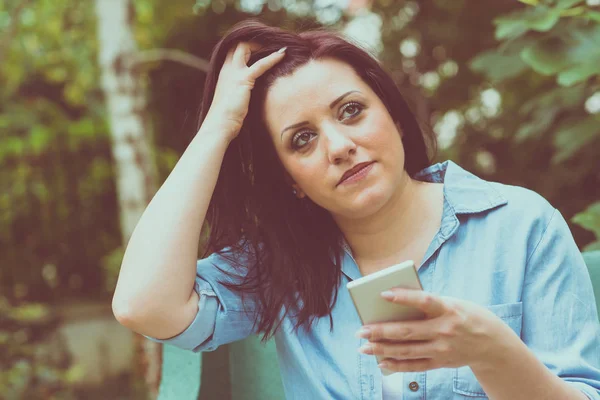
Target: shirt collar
[{"x": 464, "y": 193}]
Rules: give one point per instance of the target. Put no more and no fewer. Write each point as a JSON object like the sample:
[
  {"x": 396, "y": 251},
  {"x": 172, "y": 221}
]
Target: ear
[{"x": 293, "y": 185}]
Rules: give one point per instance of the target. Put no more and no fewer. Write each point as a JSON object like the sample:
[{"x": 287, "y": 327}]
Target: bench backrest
[
  {"x": 248, "y": 370},
  {"x": 592, "y": 259}
]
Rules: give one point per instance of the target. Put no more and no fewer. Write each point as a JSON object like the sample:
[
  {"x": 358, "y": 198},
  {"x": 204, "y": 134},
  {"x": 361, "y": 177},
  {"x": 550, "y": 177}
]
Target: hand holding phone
[{"x": 372, "y": 308}]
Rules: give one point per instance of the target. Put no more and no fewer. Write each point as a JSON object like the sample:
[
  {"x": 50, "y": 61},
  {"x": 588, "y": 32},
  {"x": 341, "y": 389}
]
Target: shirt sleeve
[
  {"x": 221, "y": 317},
  {"x": 560, "y": 319}
]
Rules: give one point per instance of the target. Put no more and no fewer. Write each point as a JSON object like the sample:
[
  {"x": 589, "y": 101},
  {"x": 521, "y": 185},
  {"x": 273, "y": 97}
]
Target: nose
[{"x": 339, "y": 145}]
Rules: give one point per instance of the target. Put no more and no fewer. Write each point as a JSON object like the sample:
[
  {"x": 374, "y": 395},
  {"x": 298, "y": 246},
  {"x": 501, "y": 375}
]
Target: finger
[
  {"x": 243, "y": 52},
  {"x": 262, "y": 65},
  {"x": 239, "y": 54},
  {"x": 429, "y": 303},
  {"x": 400, "y": 350},
  {"x": 407, "y": 365},
  {"x": 229, "y": 55},
  {"x": 400, "y": 331}
]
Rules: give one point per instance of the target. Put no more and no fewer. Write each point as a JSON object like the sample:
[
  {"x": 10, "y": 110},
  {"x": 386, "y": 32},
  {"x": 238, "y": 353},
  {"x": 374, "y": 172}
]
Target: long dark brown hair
[{"x": 286, "y": 252}]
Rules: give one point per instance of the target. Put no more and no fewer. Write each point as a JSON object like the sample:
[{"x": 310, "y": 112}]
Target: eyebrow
[{"x": 333, "y": 103}]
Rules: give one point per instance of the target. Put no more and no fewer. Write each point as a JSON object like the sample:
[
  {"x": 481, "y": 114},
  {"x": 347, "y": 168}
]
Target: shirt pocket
[{"x": 465, "y": 384}]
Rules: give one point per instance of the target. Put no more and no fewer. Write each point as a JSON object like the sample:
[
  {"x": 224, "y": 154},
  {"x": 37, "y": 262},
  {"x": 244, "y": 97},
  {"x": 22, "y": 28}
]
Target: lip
[{"x": 354, "y": 170}]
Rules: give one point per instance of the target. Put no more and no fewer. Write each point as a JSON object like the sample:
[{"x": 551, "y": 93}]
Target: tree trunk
[{"x": 136, "y": 174}]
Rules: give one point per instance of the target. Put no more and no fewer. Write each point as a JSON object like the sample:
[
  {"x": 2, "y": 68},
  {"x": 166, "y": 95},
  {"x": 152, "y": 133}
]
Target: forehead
[{"x": 314, "y": 84}]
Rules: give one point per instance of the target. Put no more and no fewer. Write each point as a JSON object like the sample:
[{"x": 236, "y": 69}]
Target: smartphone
[{"x": 372, "y": 308}]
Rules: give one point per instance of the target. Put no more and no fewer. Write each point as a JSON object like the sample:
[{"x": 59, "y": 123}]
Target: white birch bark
[{"x": 136, "y": 173}]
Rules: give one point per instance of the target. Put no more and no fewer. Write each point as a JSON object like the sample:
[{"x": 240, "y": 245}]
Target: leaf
[
  {"x": 75, "y": 373},
  {"x": 74, "y": 93},
  {"x": 559, "y": 97},
  {"x": 32, "y": 312},
  {"x": 516, "y": 45},
  {"x": 593, "y": 15},
  {"x": 572, "y": 137},
  {"x": 554, "y": 54},
  {"x": 547, "y": 56},
  {"x": 542, "y": 120},
  {"x": 497, "y": 66},
  {"x": 82, "y": 128},
  {"x": 540, "y": 18},
  {"x": 573, "y": 12},
  {"x": 14, "y": 145},
  {"x": 564, "y": 4},
  {"x": 58, "y": 73},
  {"x": 544, "y": 22},
  {"x": 530, "y": 2},
  {"x": 579, "y": 73},
  {"x": 510, "y": 29},
  {"x": 39, "y": 137},
  {"x": 589, "y": 219}
]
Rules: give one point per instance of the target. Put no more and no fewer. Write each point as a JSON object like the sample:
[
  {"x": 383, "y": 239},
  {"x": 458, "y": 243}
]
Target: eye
[
  {"x": 301, "y": 139},
  {"x": 353, "y": 107}
]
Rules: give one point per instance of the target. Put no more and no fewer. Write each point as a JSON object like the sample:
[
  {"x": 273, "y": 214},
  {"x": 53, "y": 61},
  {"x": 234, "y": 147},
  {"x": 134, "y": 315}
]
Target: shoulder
[
  {"x": 516, "y": 211},
  {"x": 526, "y": 214},
  {"x": 470, "y": 194},
  {"x": 521, "y": 200}
]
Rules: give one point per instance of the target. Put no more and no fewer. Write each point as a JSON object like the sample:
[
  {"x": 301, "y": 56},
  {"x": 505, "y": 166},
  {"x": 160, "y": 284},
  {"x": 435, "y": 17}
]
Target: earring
[{"x": 294, "y": 191}]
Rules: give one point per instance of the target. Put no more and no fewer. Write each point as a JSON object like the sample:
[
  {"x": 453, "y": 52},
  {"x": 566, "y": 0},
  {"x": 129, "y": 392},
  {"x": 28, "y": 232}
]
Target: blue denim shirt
[{"x": 500, "y": 246}]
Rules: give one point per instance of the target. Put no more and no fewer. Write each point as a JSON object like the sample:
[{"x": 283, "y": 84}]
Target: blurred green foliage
[
  {"x": 559, "y": 41},
  {"x": 34, "y": 361},
  {"x": 57, "y": 197},
  {"x": 59, "y": 227},
  {"x": 590, "y": 219}
]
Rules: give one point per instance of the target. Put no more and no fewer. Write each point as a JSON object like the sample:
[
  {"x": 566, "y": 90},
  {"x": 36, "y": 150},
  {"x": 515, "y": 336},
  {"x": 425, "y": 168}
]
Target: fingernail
[
  {"x": 383, "y": 364},
  {"x": 387, "y": 295},
  {"x": 366, "y": 349},
  {"x": 281, "y": 50},
  {"x": 364, "y": 333}
]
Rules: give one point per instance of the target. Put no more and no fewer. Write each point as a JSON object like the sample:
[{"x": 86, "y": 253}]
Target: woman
[{"x": 322, "y": 176}]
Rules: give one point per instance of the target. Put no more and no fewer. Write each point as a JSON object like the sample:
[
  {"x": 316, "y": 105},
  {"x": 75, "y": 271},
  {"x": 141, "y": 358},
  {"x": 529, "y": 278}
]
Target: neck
[{"x": 394, "y": 227}]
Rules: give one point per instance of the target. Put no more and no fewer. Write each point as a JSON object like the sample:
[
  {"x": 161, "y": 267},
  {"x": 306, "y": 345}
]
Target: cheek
[
  {"x": 381, "y": 133},
  {"x": 302, "y": 171},
  {"x": 308, "y": 174},
  {"x": 312, "y": 178}
]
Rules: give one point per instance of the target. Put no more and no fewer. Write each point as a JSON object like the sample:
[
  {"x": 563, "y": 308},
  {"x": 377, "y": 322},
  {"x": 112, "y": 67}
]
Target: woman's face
[{"x": 324, "y": 120}]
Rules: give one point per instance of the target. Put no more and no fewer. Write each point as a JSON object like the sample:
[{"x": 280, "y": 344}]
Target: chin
[{"x": 367, "y": 203}]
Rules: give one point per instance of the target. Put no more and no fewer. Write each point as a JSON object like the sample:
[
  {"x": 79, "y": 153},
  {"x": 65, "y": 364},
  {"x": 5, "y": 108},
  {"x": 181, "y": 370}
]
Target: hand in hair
[{"x": 236, "y": 80}]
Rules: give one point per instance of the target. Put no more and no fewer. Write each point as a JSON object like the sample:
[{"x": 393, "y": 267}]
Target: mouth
[{"x": 353, "y": 171}]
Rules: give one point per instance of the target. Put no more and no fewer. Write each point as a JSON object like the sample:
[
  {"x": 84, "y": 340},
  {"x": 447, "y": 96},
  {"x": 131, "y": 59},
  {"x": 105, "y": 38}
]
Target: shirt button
[{"x": 414, "y": 386}]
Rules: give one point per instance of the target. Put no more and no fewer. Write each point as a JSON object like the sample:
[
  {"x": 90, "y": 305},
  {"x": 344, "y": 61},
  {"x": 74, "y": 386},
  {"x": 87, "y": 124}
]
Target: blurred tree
[
  {"x": 125, "y": 97},
  {"x": 131, "y": 144}
]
